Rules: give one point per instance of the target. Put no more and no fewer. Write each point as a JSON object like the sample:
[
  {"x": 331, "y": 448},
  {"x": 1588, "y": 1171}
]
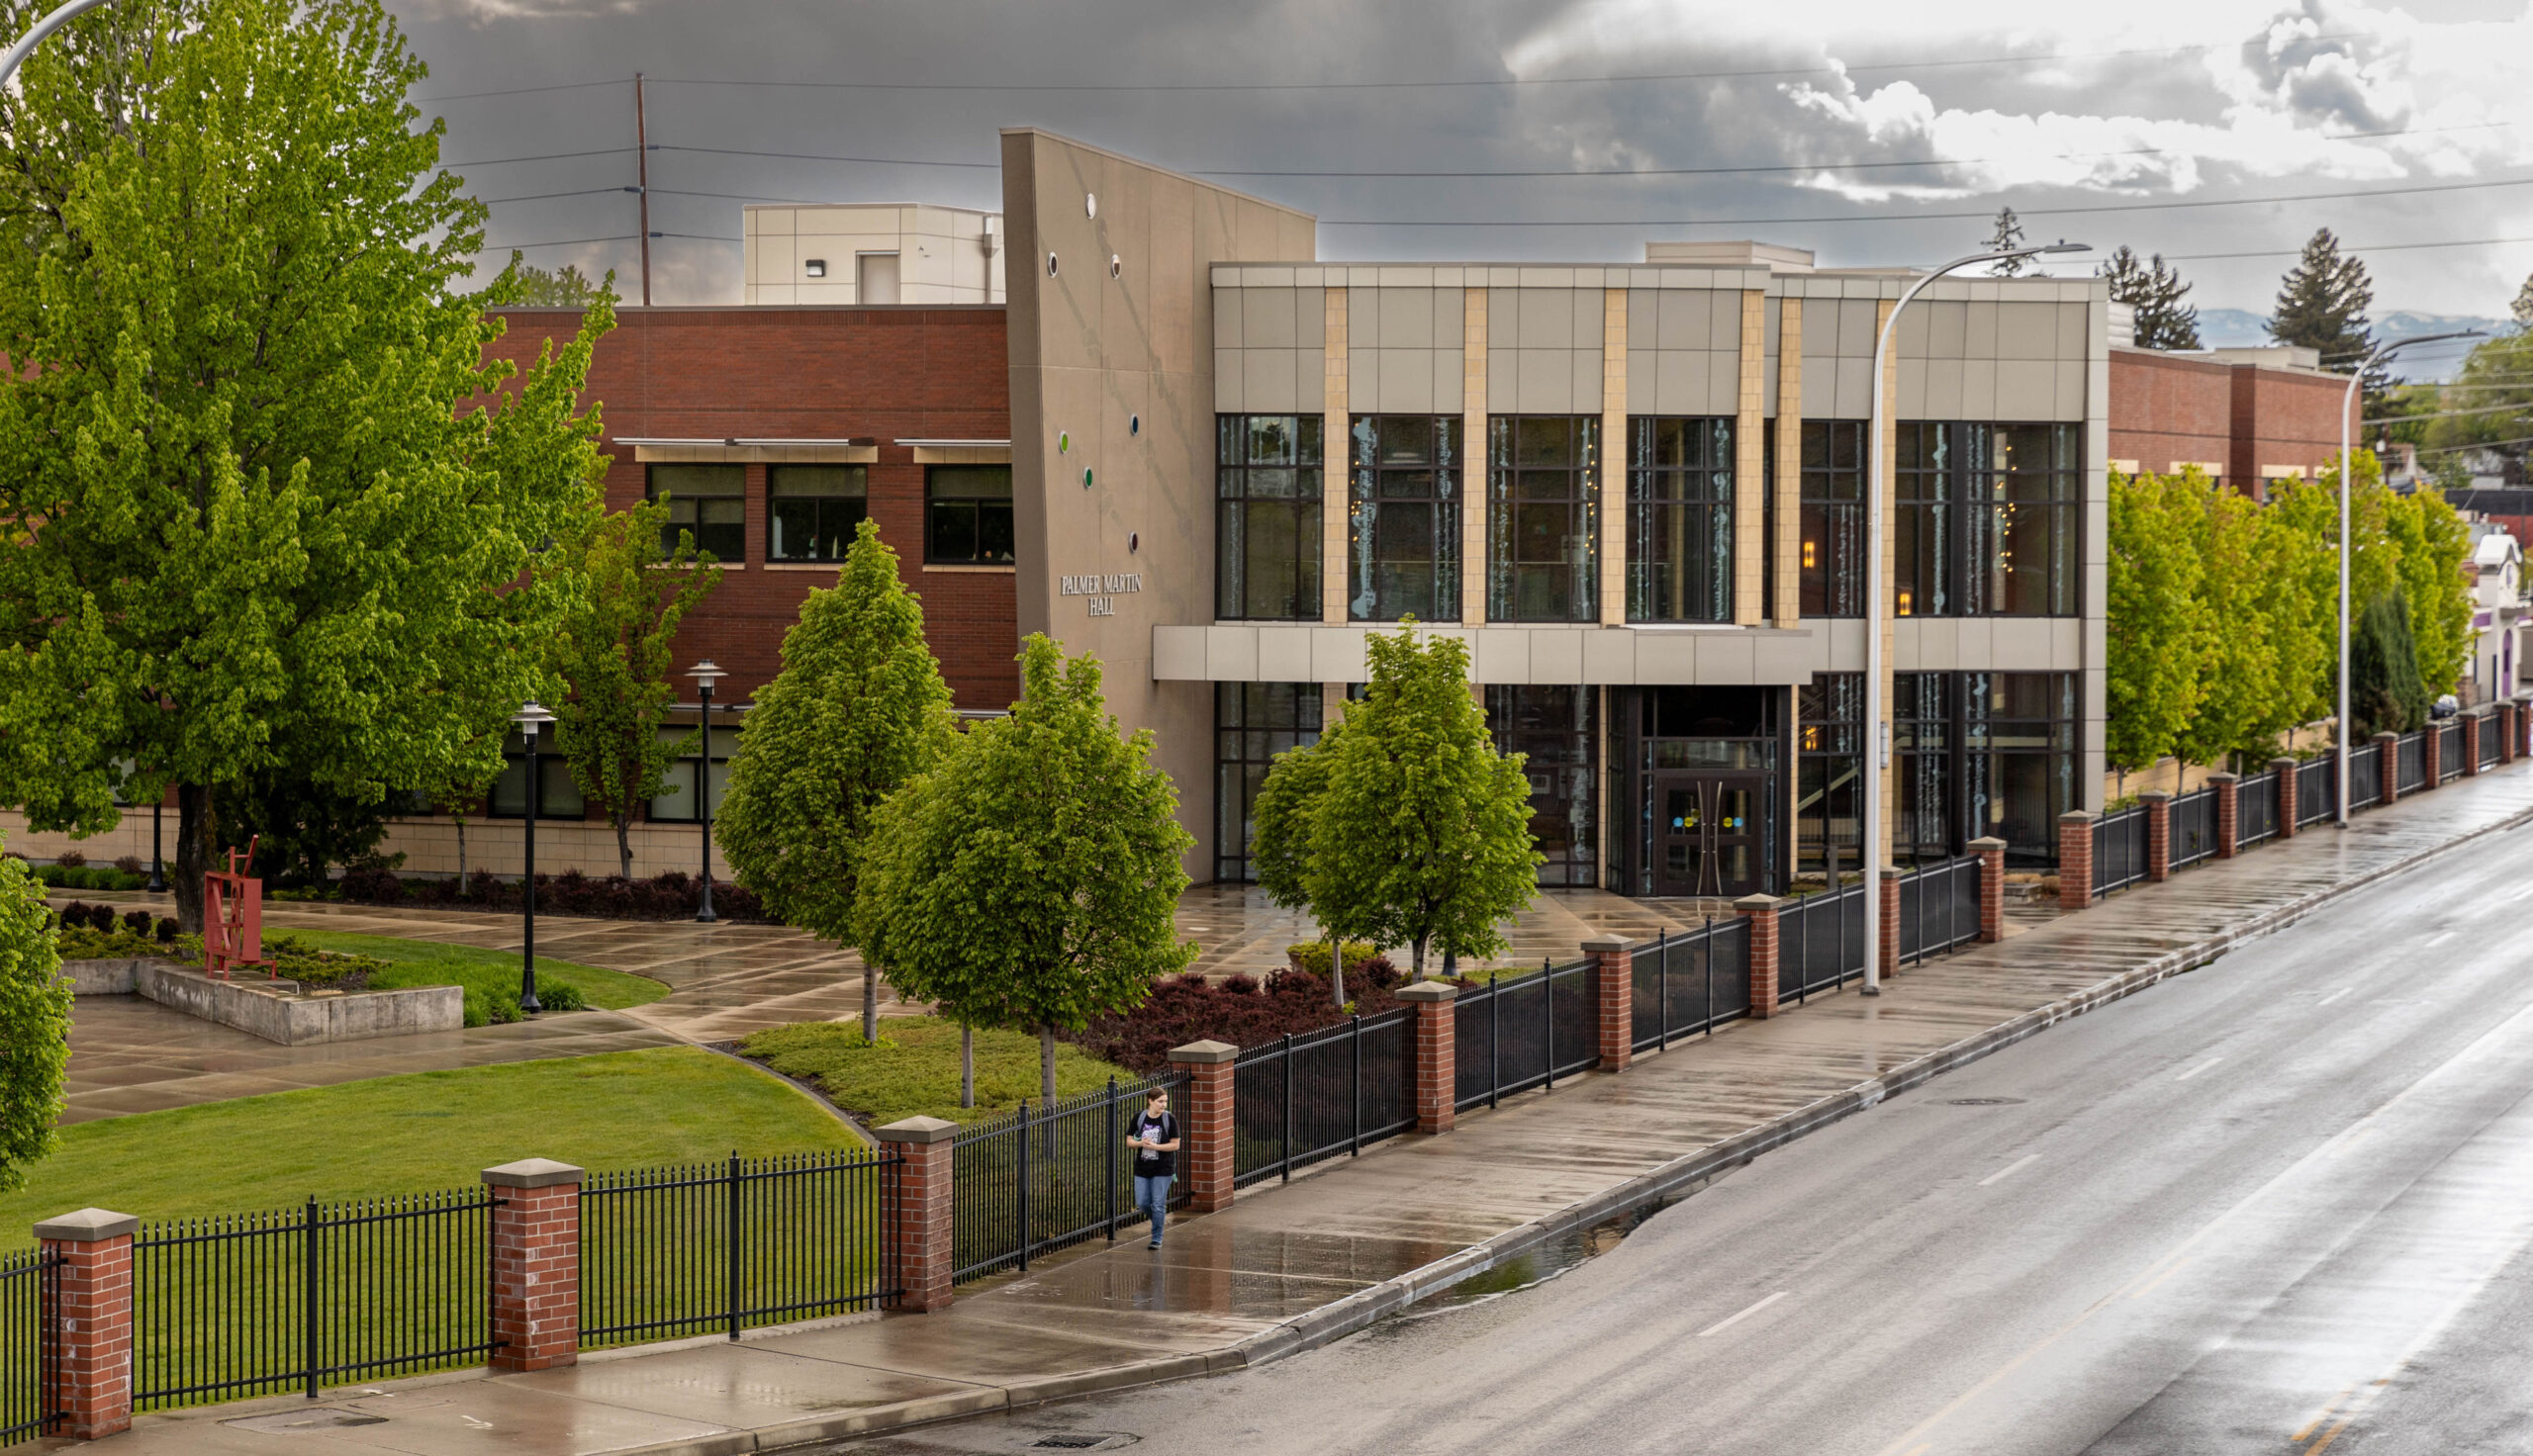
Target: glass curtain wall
[
  {"x": 1557, "y": 729},
  {"x": 1403, "y": 523},
  {"x": 1679, "y": 519},
  {"x": 1983, "y": 753},
  {"x": 1268, "y": 486},
  {"x": 1926, "y": 778},
  {"x": 1985, "y": 518},
  {"x": 1831, "y": 560},
  {"x": 1542, "y": 507},
  {"x": 1828, "y": 807},
  {"x": 1252, "y": 722}
]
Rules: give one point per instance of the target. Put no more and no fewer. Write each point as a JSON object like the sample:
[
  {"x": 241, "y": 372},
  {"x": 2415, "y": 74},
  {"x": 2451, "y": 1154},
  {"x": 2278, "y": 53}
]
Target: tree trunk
[
  {"x": 1420, "y": 957},
  {"x": 1047, "y": 1066},
  {"x": 197, "y": 830},
  {"x": 967, "y": 1065},
  {"x": 624, "y": 847},
  {"x": 1336, "y": 968},
  {"x": 870, "y": 1004}
]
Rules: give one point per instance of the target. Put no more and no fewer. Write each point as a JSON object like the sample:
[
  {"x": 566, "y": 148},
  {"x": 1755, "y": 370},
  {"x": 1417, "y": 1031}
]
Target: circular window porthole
[
  {"x": 1051, "y": 265},
  {"x": 1086, "y": 477},
  {"x": 1116, "y": 265},
  {"x": 1091, "y": 203},
  {"x": 1134, "y": 543},
  {"x": 1134, "y": 425},
  {"x": 1063, "y": 441}
]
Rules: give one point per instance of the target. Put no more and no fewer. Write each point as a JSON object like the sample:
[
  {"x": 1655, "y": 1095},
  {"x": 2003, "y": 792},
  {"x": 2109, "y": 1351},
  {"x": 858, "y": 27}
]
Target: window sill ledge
[
  {"x": 972, "y": 571},
  {"x": 802, "y": 566}
]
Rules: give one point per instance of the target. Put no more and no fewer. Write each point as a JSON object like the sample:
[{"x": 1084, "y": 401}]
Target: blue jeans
[{"x": 1152, "y": 1196}]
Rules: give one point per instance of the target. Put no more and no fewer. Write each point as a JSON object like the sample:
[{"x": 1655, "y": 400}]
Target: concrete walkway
[{"x": 1294, "y": 1266}]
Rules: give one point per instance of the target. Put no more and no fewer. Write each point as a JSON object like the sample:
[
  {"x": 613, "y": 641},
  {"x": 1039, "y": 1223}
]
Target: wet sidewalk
[{"x": 1295, "y": 1265}]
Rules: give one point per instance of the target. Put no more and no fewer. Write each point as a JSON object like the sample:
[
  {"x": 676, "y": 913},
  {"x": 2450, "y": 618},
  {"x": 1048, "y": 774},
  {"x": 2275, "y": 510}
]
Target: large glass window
[
  {"x": 813, "y": 508},
  {"x": 1984, "y": 754},
  {"x": 676, "y": 802},
  {"x": 1558, "y": 730},
  {"x": 1828, "y": 809},
  {"x": 1831, "y": 553},
  {"x": 1542, "y": 519},
  {"x": 967, "y": 514},
  {"x": 1679, "y": 520},
  {"x": 1926, "y": 737},
  {"x": 1403, "y": 520},
  {"x": 1266, "y": 484},
  {"x": 1252, "y": 722},
  {"x": 708, "y": 501},
  {"x": 1985, "y": 518},
  {"x": 558, "y": 797}
]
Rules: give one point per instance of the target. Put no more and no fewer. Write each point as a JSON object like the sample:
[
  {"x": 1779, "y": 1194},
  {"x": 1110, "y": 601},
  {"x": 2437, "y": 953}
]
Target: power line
[
  {"x": 525, "y": 90},
  {"x": 548, "y": 196},
  {"x": 2381, "y": 247},
  {"x": 804, "y": 157},
  {"x": 507, "y": 247},
  {"x": 498, "y": 161}
]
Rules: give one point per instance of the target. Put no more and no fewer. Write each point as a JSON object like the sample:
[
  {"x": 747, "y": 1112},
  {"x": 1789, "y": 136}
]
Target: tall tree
[
  {"x": 2153, "y": 678},
  {"x": 1423, "y": 839},
  {"x": 2385, "y": 690},
  {"x": 2496, "y": 388},
  {"x": 2155, "y": 289},
  {"x": 2522, "y": 307},
  {"x": 1286, "y": 810},
  {"x": 541, "y": 288},
  {"x": 35, "y": 1025},
  {"x": 2322, "y": 303},
  {"x": 858, "y": 709},
  {"x": 627, "y": 591},
  {"x": 266, "y": 501},
  {"x": 2238, "y": 689},
  {"x": 1031, "y": 880},
  {"x": 2434, "y": 545},
  {"x": 2007, "y": 233}
]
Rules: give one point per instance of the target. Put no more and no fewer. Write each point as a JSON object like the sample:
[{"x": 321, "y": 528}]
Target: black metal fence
[
  {"x": 1938, "y": 908},
  {"x": 1525, "y": 1031},
  {"x": 2449, "y": 750},
  {"x": 2411, "y": 755},
  {"x": 2119, "y": 849},
  {"x": 2365, "y": 776},
  {"x": 2256, "y": 810},
  {"x": 29, "y": 1343},
  {"x": 716, "y": 1248},
  {"x": 292, "y": 1300},
  {"x": 1044, "y": 1178},
  {"x": 1691, "y": 982},
  {"x": 2316, "y": 790},
  {"x": 2490, "y": 731},
  {"x": 1299, "y": 1099},
  {"x": 1819, "y": 941},
  {"x": 2193, "y": 828}
]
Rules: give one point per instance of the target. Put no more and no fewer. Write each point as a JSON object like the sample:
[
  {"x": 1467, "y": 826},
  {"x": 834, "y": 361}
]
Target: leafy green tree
[
  {"x": 302, "y": 828},
  {"x": 2007, "y": 233},
  {"x": 1423, "y": 839},
  {"x": 267, "y": 503},
  {"x": 1031, "y": 878},
  {"x": 35, "y": 1025},
  {"x": 2385, "y": 690},
  {"x": 625, "y": 591},
  {"x": 532, "y": 287},
  {"x": 2322, "y": 305},
  {"x": 858, "y": 709},
  {"x": 2159, "y": 647},
  {"x": 2432, "y": 544},
  {"x": 2496, "y": 387},
  {"x": 1283, "y": 816},
  {"x": 2299, "y": 575},
  {"x": 2238, "y": 686},
  {"x": 2155, "y": 290}
]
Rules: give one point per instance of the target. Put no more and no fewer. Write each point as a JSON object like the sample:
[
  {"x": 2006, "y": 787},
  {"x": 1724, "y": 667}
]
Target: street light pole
[
  {"x": 157, "y": 862},
  {"x": 17, "y": 54},
  {"x": 1877, "y": 749},
  {"x": 2348, "y": 406},
  {"x": 529, "y": 718},
  {"x": 705, "y": 674}
]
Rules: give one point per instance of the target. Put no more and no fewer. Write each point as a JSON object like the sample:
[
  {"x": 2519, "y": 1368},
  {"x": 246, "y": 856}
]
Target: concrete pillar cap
[
  {"x": 1428, "y": 991},
  {"x": 533, "y": 1172},
  {"x": 2154, "y": 796},
  {"x": 919, "y": 1131},
  {"x": 87, "y": 1226},
  {"x": 1750, "y": 903},
  {"x": 1203, "y": 1053},
  {"x": 1987, "y": 843},
  {"x": 2222, "y": 776},
  {"x": 2078, "y": 816},
  {"x": 2284, "y": 762},
  {"x": 2388, "y": 736},
  {"x": 1604, "y": 945}
]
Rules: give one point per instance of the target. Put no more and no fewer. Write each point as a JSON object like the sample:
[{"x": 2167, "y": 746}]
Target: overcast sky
[{"x": 2044, "y": 108}]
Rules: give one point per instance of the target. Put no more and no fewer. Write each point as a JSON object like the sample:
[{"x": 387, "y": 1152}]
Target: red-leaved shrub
[{"x": 1238, "y": 1009}]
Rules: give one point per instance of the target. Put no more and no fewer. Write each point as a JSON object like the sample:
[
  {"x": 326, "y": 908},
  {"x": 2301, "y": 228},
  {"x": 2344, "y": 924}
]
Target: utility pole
[{"x": 642, "y": 183}]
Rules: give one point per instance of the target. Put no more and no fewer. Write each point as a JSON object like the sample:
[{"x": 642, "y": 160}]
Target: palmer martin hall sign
[{"x": 1103, "y": 590}]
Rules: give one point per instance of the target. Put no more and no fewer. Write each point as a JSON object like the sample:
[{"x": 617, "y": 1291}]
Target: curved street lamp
[
  {"x": 1877, "y": 753},
  {"x": 531, "y": 717},
  {"x": 17, "y": 54}
]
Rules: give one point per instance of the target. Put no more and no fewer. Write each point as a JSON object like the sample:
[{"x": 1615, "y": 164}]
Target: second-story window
[
  {"x": 1987, "y": 519},
  {"x": 1267, "y": 471},
  {"x": 1542, "y": 519},
  {"x": 1830, "y": 555},
  {"x": 812, "y": 509},
  {"x": 967, "y": 514},
  {"x": 1403, "y": 519},
  {"x": 709, "y": 502},
  {"x": 1679, "y": 520}
]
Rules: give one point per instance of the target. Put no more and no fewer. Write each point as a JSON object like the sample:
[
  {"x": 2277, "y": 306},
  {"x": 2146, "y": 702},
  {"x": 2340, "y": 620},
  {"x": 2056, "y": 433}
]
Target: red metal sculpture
[{"x": 232, "y": 916}]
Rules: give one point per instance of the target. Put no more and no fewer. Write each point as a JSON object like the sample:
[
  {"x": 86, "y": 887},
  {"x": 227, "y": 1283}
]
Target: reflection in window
[
  {"x": 1828, "y": 810},
  {"x": 706, "y": 501},
  {"x": 1985, "y": 518},
  {"x": 1557, "y": 730},
  {"x": 1832, "y": 552},
  {"x": 1984, "y": 754},
  {"x": 812, "y": 509},
  {"x": 967, "y": 514},
  {"x": 1252, "y": 722},
  {"x": 1679, "y": 520},
  {"x": 1268, "y": 486},
  {"x": 676, "y": 802},
  {"x": 558, "y": 797},
  {"x": 1542, "y": 519},
  {"x": 1403, "y": 519}
]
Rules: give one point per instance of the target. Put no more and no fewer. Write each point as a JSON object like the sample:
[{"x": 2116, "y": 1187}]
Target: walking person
[{"x": 1154, "y": 1140}]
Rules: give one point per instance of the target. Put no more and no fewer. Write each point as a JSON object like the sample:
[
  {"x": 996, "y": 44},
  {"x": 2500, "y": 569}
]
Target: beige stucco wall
[{"x": 945, "y": 255}]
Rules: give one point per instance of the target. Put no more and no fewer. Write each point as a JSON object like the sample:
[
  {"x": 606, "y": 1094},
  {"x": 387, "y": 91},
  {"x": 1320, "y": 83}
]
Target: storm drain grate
[
  {"x": 1067, "y": 1443},
  {"x": 1987, "y": 1101}
]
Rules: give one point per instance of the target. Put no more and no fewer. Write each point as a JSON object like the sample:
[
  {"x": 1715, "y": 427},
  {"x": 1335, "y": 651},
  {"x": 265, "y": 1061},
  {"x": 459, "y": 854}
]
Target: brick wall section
[
  {"x": 93, "y": 1385},
  {"x": 2432, "y": 753},
  {"x": 1992, "y": 887},
  {"x": 2076, "y": 858},
  {"x": 2506, "y": 732},
  {"x": 2165, "y": 408},
  {"x": 1616, "y": 980},
  {"x": 1887, "y": 923},
  {"x": 2159, "y": 835},
  {"x": 1761, "y": 912},
  {"x": 2472, "y": 744},
  {"x": 917, "y": 1238},
  {"x": 2229, "y": 812},
  {"x": 535, "y": 1311},
  {"x": 2284, "y": 768},
  {"x": 1205, "y": 1124},
  {"x": 1437, "y": 1070},
  {"x": 2388, "y": 766}
]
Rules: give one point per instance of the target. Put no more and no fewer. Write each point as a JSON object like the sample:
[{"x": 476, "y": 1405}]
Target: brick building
[{"x": 2245, "y": 417}]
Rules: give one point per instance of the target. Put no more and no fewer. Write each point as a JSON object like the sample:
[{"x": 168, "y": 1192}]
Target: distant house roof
[{"x": 2495, "y": 550}]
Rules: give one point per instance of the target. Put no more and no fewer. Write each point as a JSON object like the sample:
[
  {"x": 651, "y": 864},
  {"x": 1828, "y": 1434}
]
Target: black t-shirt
[{"x": 1163, "y": 1128}]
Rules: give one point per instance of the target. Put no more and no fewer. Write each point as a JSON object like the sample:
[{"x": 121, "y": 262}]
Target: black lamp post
[
  {"x": 529, "y": 718},
  {"x": 157, "y": 865},
  {"x": 705, "y": 674}
]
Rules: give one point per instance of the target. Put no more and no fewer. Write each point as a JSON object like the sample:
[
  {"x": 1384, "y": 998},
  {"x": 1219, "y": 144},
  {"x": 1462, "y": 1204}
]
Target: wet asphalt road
[{"x": 2278, "y": 1204}]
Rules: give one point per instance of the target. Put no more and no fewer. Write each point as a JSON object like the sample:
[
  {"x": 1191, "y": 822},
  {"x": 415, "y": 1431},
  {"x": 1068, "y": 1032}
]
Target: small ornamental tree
[
  {"x": 1286, "y": 810},
  {"x": 858, "y": 709},
  {"x": 35, "y": 1025},
  {"x": 1423, "y": 834},
  {"x": 1031, "y": 880},
  {"x": 2153, "y": 683},
  {"x": 625, "y": 591}
]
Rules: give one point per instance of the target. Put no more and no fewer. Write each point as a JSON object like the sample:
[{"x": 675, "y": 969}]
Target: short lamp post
[
  {"x": 157, "y": 862},
  {"x": 705, "y": 674},
  {"x": 529, "y": 718}
]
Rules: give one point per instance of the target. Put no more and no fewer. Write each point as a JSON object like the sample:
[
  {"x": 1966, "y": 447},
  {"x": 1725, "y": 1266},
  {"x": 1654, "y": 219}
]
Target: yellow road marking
[
  {"x": 2311, "y": 1425},
  {"x": 2325, "y": 1443}
]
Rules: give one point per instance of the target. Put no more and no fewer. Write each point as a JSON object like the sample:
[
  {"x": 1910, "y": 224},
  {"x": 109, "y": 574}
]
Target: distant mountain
[{"x": 2240, "y": 329}]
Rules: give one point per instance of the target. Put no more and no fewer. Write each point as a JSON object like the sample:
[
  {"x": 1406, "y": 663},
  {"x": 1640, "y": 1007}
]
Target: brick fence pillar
[
  {"x": 2159, "y": 835},
  {"x": 2472, "y": 742},
  {"x": 535, "y": 1311},
  {"x": 1887, "y": 922},
  {"x": 2229, "y": 812},
  {"x": 2284, "y": 768},
  {"x": 2388, "y": 766},
  {"x": 2432, "y": 753},
  {"x": 1205, "y": 1124},
  {"x": 918, "y": 1237},
  {"x": 2506, "y": 726},
  {"x": 1437, "y": 1072},
  {"x": 91, "y": 1382},
  {"x": 1992, "y": 887},
  {"x": 1616, "y": 970},
  {"x": 1761, "y": 911},
  {"x": 2076, "y": 858}
]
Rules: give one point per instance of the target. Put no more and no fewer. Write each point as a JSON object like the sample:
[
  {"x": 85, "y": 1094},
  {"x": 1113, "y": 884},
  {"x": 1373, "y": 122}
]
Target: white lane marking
[
  {"x": 2335, "y": 995},
  {"x": 2194, "y": 1071},
  {"x": 2010, "y": 1169},
  {"x": 2434, "y": 941},
  {"x": 1727, "y": 1322}
]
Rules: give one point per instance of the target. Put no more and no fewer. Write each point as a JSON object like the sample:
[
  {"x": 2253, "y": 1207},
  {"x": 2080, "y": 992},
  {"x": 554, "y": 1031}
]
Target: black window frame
[
  {"x": 1964, "y": 744},
  {"x": 1973, "y": 503},
  {"x": 832, "y": 515},
  {"x": 1557, "y": 729},
  {"x": 967, "y": 511},
  {"x": 1680, "y": 484},
  {"x": 1828, "y": 772},
  {"x": 1528, "y": 490},
  {"x": 559, "y": 795},
  {"x": 1388, "y": 457},
  {"x": 1256, "y": 485},
  {"x": 718, "y": 520},
  {"x": 1830, "y": 491},
  {"x": 1253, "y": 723}
]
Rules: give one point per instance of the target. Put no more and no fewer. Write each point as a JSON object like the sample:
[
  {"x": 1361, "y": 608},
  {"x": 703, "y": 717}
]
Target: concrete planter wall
[{"x": 273, "y": 1010}]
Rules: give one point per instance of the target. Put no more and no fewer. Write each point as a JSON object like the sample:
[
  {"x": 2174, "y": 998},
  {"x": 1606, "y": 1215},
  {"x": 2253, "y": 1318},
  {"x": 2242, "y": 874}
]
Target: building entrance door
[{"x": 1708, "y": 835}]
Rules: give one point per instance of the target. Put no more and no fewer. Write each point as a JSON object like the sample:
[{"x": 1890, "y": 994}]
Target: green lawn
[
  {"x": 915, "y": 1070},
  {"x": 437, "y": 964},
  {"x": 418, "y": 1132}
]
